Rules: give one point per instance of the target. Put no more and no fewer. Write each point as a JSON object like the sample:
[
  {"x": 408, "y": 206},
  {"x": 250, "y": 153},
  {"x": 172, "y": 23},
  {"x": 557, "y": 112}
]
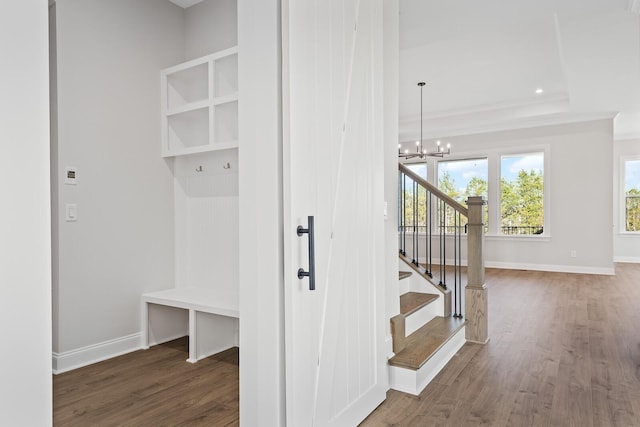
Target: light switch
[
  {"x": 385, "y": 211},
  {"x": 71, "y": 212}
]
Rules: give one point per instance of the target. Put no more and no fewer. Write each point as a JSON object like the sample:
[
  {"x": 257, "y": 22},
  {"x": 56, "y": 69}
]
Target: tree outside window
[
  {"x": 460, "y": 179},
  {"x": 632, "y": 195},
  {"x": 420, "y": 218},
  {"x": 522, "y": 194}
]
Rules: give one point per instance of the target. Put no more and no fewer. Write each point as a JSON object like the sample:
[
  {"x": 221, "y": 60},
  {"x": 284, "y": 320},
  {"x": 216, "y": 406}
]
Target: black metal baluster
[
  {"x": 455, "y": 264},
  {"x": 430, "y": 237},
  {"x": 426, "y": 231},
  {"x": 401, "y": 211},
  {"x": 442, "y": 215},
  {"x": 460, "y": 311},
  {"x": 444, "y": 246},
  {"x": 415, "y": 223}
]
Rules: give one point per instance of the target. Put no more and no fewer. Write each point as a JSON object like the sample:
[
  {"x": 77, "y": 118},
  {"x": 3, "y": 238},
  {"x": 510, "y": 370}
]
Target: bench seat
[{"x": 195, "y": 300}]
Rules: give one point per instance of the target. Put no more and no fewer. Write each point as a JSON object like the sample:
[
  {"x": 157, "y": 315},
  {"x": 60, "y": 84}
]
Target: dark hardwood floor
[
  {"x": 156, "y": 387},
  {"x": 564, "y": 351}
]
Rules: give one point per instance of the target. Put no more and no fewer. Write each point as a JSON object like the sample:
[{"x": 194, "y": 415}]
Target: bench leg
[
  {"x": 193, "y": 357},
  {"x": 145, "y": 325}
]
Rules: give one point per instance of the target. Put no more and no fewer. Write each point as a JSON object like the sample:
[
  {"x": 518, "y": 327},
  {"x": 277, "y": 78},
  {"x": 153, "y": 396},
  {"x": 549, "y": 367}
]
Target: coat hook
[
  {"x": 199, "y": 168},
  {"x": 226, "y": 166}
]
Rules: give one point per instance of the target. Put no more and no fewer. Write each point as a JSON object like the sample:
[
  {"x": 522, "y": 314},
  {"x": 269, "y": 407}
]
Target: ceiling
[{"x": 483, "y": 61}]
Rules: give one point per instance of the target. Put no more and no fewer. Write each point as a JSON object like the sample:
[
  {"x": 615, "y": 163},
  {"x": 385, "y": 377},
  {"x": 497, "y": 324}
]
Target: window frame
[
  {"x": 623, "y": 197},
  {"x": 493, "y": 157},
  {"x": 458, "y": 158},
  {"x": 496, "y": 231}
]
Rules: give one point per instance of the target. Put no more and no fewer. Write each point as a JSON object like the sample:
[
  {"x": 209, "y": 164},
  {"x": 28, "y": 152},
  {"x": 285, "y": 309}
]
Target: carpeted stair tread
[{"x": 423, "y": 343}]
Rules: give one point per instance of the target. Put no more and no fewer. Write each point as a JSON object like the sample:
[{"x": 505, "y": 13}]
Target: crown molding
[
  {"x": 554, "y": 99},
  {"x": 484, "y": 118},
  {"x": 634, "y": 6},
  {"x": 475, "y": 128},
  {"x": 185, "y": 3}
]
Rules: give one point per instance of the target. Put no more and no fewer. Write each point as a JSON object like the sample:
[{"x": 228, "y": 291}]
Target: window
[
  {"x": 631, "y": 195},
  {"x": 522, "y": 194},
  {"x": 414, "y": 219},
  {"x": 418, "y": 168},
  {"x": 460, "y": 179}
]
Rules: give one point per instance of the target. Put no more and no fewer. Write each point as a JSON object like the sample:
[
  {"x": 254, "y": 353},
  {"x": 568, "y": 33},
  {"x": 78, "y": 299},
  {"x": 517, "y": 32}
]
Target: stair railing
[{"x": 426, "y": 212}]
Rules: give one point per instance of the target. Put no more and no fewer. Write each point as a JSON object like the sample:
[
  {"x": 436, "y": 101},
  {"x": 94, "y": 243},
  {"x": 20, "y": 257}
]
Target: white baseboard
[
  {"x": 580, "y": 269},
  {"x": 73, "y": 359},
  {"x": 627, "y": 259}
]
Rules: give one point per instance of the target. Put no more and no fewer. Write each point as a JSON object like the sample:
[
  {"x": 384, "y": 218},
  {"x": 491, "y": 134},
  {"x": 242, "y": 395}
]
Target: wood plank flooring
[
  {"x": 564, "y": 351},
  {"x": 156, "y": 387}
]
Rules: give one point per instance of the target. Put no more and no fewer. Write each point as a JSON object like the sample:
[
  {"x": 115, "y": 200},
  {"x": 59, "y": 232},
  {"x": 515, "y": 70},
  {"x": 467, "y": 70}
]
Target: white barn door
[{"x": 333, "y": 171}]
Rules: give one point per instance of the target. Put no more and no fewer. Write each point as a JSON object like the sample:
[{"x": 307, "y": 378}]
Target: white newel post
[{"x": 476, "y": 309}]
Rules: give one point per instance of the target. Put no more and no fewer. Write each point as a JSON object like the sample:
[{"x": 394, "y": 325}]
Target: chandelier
[{"x": 422, "y": 152}]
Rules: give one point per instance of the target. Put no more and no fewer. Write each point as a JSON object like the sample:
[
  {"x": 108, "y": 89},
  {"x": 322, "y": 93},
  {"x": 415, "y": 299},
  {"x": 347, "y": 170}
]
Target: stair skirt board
[{"x": 413, "y": 382}]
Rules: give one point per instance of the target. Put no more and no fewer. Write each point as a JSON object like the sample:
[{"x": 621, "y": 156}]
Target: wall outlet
[{"x": 573, "y": 253}]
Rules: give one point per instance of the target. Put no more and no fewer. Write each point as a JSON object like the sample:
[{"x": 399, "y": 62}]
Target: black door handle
[{"x": 311, "y": 274}]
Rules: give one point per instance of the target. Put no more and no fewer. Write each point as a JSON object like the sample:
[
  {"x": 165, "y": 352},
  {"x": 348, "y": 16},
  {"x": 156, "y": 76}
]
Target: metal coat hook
[
  {"x": 199, "y": 169},
  {"x": 226, "y": 166}
]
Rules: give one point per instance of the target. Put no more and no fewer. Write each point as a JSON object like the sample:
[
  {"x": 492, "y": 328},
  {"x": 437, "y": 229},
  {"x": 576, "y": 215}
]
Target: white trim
[
  {"x": 185, "y": 4},
  {"x": 413, "y": 382},
  {"x": 629, "y": 234},
  {"x": 622, "y": 197},
  {"x": 73, "y": 359},
  {"x": 627, "y": 259},
  {"x": 441, "y": 128},
  {"x": 499, "y": 106},
  {"x": 518, "y": 237},
  {"x": 579, "y": 269},
  {"x": 629, "y": 136}
]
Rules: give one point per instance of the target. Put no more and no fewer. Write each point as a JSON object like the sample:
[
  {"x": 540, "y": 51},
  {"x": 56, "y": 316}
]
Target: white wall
[
  {"x": 391, "y": 70},
  {"x": 25, "y": 255},
  {"x": 109, "y": 56},
  {"x": 580, "y": 175},
  {"x": 626, "y": 248},
  {"x": 206, "y": 210},
  {"x": 206, "y": 202},
  {"x": 210, "y": 26},
  {"x": 261, "y": 235}
]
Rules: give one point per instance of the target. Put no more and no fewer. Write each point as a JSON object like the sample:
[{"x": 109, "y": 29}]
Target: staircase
[
  {"x": 423, "y": 338},
  {"x": 432, "y": 324}
]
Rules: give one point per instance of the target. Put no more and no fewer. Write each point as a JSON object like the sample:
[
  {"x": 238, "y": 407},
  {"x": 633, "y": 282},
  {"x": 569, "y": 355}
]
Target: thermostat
[{"x": 70, "y": 175}]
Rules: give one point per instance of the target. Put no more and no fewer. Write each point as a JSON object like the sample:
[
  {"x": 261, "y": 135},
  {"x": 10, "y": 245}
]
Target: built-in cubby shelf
[{"x": 200, "y": 104}]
